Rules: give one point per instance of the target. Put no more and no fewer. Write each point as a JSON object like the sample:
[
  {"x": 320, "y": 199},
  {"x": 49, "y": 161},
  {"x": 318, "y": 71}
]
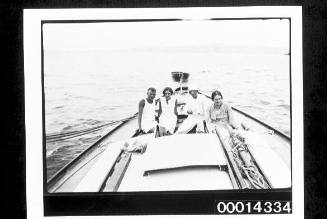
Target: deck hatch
[
  {"x": 178, "y": 162},
  {"x": 181, "y": 150}
]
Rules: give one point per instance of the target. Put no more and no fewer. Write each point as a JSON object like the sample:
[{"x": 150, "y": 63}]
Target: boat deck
[{"x": 175, "y": 162}]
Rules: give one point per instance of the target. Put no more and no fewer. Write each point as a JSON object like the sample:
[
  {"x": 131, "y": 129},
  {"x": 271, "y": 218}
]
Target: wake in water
[{"x": 66, "y": 146}]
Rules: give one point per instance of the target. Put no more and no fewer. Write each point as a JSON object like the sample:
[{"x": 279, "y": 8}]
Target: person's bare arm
[
  {"x": 207, "y": 114},
  {"x": 141, "y": 107}
]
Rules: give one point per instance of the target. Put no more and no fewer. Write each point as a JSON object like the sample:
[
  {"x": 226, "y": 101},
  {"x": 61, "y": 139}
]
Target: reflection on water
[{"x": 86, "y": 89}]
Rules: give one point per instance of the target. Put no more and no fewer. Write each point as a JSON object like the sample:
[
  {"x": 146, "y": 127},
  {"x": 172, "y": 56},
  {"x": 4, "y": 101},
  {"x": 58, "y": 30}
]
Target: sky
[{"x": 166, "y": 34}]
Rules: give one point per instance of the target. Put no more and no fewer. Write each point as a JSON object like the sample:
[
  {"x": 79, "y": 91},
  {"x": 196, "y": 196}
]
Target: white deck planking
[
  {"x": 178, "y": 151},
  {"x": 271, "y": 163},
  {"x": 97, "y": 174}
]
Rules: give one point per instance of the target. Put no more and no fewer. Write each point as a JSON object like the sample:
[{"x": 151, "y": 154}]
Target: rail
[{"x": 235, "y": 173}]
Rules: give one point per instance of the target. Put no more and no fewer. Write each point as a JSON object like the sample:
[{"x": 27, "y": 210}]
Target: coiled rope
[
  {"x": 256, "y": 180},
  {"x": 72, "y": 134}
]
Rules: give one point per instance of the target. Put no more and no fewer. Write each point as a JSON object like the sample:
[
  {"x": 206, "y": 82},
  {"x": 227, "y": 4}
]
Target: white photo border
[{"x": 33, "y": 84}]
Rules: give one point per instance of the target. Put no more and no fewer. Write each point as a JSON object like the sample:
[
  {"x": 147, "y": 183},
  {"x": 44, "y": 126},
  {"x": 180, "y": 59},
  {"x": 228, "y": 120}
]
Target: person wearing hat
[{"x": 195, "y": 107}]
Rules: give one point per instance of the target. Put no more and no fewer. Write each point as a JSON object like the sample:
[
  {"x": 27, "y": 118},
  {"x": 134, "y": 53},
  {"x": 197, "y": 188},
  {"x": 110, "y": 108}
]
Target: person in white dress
[
  {"x": 146, "y": 117},
  {"x": 167, "y": 112},
  {"x": 195, "y": 107}
]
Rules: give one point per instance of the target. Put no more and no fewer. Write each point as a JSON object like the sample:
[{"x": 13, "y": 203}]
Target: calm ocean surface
[{"x": 87, "y": 89}]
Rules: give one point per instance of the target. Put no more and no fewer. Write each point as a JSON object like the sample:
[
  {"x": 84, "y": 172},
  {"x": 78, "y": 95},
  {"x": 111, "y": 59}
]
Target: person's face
[
  {"x": 151, "y": 94},
  {"x": 218, "y": 99},
  {"x": 167, "y": 95},
  {"x": 194, "y": 93}
]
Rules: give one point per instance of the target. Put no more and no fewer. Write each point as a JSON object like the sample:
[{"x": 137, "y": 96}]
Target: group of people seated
[{"x": 200, "y": 115}]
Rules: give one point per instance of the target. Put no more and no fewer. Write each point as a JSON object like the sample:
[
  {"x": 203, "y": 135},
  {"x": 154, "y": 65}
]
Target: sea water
[{"x": 84, "y": 89}]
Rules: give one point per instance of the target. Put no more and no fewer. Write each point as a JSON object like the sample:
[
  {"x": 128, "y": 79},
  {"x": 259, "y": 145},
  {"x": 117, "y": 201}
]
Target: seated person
[
  {"x": 219, "y": 113},
  {"x": 167, "y": 112},
  {"x": 195, "y": 107},
  {"x": 181, "y": 97},
  {"x": 146, "y": 116}
]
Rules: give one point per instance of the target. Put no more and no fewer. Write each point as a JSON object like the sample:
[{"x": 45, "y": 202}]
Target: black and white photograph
[{"x": 167, "y": 101}]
